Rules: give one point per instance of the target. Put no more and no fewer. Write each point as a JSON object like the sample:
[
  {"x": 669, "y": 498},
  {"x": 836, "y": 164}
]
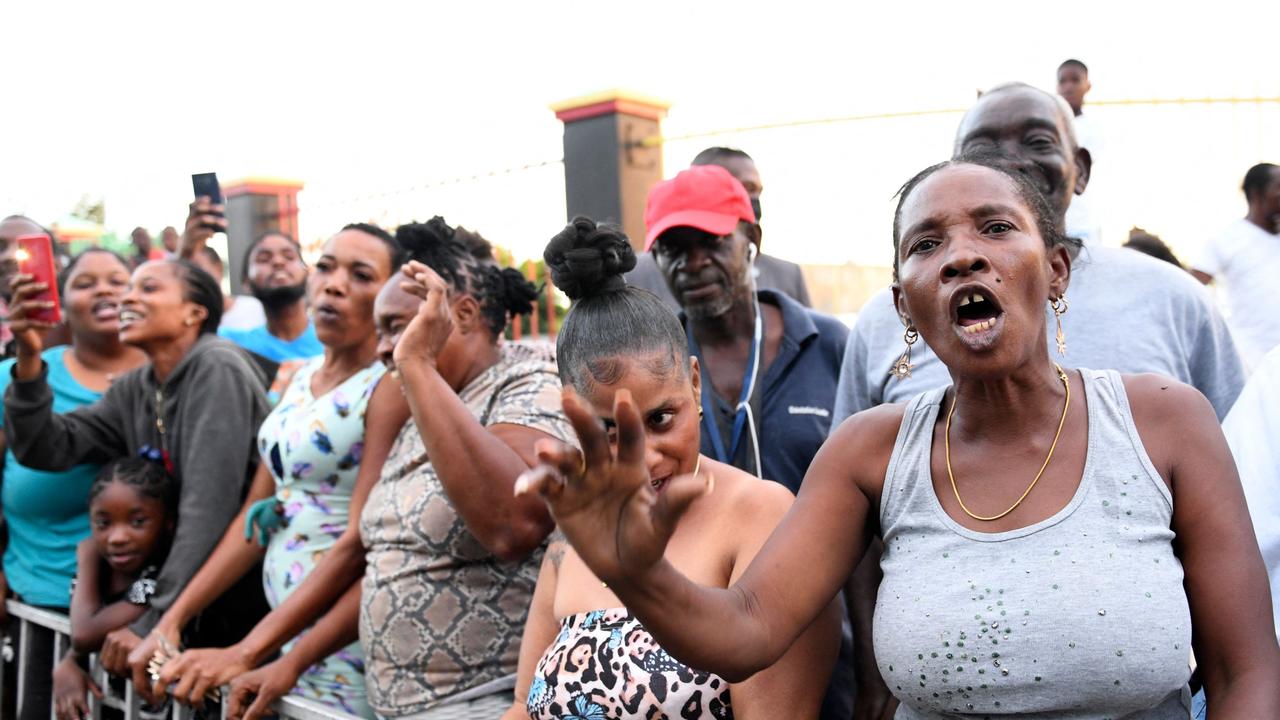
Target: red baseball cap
[{"x": 705, "y": 197}]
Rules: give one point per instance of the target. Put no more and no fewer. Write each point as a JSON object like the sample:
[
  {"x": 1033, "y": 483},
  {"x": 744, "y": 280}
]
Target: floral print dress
[
  {"x": 313, "y": 446},
  {"x": 605, "y": 666}
]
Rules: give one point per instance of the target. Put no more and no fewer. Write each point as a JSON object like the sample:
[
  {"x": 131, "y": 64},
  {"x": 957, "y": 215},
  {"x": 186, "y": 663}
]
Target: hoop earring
[
  {"x": 901, "y": 369},
  {"x": 1059, "y": 305}
]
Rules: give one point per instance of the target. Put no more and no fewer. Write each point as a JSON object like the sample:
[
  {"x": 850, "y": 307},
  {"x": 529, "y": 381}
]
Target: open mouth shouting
[{"x": 977, "y": 315}]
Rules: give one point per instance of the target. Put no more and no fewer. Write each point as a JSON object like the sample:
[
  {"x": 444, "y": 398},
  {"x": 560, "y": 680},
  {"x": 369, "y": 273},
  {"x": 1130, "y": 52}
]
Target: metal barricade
[{"x": 129, "y": 704}]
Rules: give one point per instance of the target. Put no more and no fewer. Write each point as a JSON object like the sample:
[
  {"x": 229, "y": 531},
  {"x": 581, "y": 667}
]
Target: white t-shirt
[
  {"x": 1083, "y": 217},
  {"x": 1252, "y": 428},
  {"x": 1246, "y": 260},
  {"x": 246, "y": 313}
]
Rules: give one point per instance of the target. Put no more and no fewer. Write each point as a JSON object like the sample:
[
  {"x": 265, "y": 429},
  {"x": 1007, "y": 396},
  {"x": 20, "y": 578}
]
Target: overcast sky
[{"x": 125, "y": 100}]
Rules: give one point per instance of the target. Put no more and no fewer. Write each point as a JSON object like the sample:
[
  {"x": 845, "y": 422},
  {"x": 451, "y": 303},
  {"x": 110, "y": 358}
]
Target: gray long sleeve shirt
[{"x": 211, "y": 406}]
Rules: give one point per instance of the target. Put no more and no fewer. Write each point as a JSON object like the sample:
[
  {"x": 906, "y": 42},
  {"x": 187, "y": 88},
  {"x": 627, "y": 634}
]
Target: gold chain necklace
[{"x": 1062, "y": 375}]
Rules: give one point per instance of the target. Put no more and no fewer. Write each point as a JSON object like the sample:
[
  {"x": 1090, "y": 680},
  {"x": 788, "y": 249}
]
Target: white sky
[{"x": 125, "y": 100}]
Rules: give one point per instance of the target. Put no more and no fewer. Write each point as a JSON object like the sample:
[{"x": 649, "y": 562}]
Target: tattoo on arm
[{"x": 555, "y": 548}]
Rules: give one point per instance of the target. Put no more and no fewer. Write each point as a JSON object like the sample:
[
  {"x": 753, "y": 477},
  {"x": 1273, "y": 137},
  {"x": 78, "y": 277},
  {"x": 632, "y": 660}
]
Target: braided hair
[
  {"x": 464, "y": 260},
  {"x": 147, "y": 477},
  {"x": 609, "y": 320}
]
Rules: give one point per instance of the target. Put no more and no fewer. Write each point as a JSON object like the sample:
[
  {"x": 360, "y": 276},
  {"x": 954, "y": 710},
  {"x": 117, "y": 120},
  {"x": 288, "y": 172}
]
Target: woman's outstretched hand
[{"x": 604, "y": 502}]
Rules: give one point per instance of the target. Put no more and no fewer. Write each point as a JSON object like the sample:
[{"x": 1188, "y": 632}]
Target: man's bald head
[{"x": 1033, "y": 133}]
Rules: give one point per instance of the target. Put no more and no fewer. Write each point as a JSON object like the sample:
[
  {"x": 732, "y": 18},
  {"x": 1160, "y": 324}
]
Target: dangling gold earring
[
  {"x": 1059, "y": 305},
  {"x": 901, "y": 369}
]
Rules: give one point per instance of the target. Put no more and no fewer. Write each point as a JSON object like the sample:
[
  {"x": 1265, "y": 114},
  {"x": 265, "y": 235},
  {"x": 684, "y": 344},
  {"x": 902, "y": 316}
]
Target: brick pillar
[
  {"x": 255, "y": 206},
  {"x": 607, "y": 174}
]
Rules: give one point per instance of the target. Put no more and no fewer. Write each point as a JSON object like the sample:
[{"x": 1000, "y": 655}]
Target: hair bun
[
  {"x": 424, "y": 238},
  {"x": 588, "y": 259},
  {"x": 518, "y": 294}
]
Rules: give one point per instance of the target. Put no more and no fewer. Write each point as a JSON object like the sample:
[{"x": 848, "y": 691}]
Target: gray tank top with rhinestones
[{"x": 1082, "y": 615}]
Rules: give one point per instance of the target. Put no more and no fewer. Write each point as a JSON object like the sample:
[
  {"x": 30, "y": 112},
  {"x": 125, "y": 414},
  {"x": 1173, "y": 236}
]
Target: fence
[{"x": 129, "y": 703}]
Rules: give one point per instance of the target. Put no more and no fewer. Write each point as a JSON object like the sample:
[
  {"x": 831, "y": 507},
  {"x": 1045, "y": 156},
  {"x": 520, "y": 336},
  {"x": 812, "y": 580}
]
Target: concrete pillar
[
  {"x": 255, "y": 206},
  {"x": 607, "y": 171}
]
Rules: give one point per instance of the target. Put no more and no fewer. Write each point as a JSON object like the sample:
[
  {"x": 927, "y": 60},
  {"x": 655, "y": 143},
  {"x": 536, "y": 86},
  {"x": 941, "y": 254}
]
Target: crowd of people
[{"x": 1037, "y": 477}]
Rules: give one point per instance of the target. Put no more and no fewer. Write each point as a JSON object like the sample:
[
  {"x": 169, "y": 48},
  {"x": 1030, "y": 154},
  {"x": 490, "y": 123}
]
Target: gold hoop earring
[
  {"x": 901, "y": 369},
  {"x": 1059, "y": 305}
]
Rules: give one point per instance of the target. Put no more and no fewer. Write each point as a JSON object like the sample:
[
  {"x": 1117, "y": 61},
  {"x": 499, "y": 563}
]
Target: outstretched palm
[{"x": 603, "y": 502}]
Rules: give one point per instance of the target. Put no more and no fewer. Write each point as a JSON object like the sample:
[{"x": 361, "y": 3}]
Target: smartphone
[
  {"x": 206, "y": 185},
  {"x": 35, "y": 258}
]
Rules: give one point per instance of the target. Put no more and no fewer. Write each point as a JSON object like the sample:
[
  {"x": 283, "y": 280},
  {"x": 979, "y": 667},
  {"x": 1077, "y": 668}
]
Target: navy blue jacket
[{"x": 793, "y": 401}]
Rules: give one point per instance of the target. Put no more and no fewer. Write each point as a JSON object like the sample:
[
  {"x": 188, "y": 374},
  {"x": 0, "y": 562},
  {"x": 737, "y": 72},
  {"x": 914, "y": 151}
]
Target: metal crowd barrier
[{"x": 129, "y": 704}]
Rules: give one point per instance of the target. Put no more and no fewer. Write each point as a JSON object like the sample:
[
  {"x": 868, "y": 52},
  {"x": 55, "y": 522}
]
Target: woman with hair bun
[
  {"x": 452, "y": 554},
  {"x": 583, "y": 653}
]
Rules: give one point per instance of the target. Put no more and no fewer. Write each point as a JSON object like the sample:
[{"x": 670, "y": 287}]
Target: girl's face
[
  {"x": 155, "y": 309},
  {"x": 91, "y": 301},
  {"x": 668, "y": 403},
  {"x": 127, "y": 526},
  {"x": 352, "y": 268}
]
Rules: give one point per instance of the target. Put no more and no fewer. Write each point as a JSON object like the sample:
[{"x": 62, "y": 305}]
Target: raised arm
[
  {"x": 40, "y": 438},
  {"x": 620, "y": 527},
  {"x": 1232, "y": 626},
  {"x": 477, "y": 465},
  {"x": 204, "y": 218}
]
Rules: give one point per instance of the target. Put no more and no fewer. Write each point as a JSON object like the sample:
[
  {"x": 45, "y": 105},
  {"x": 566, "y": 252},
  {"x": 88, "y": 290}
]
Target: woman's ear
[
  {"x": 466, "y": 311},
  {"x": 695, "y": 379},
  {"x": 900, "y": 304},
  {"x": 196, "y": 315},
  {"x": 1059, "y": 259}
]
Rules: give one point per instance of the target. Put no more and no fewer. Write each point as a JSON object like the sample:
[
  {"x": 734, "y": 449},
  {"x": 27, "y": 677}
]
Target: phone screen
[{"x": 35, "y": 258}]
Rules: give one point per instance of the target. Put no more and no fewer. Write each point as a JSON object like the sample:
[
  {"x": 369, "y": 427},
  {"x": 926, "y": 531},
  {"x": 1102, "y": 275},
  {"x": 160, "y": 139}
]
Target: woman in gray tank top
[{"x": 1051, "y": 537}]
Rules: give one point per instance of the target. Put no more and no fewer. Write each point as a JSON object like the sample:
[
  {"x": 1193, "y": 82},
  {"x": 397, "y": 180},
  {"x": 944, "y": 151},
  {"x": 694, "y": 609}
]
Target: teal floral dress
[{"x": 313, "y": 446}]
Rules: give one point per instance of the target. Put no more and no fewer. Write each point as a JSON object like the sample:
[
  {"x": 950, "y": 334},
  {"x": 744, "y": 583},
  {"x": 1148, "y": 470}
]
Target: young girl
[{"x": 132, "y": 507}]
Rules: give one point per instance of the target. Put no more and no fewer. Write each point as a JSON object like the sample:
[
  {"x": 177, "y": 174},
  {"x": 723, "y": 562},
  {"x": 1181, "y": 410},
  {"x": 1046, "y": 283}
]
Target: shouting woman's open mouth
[{"x": 977, "y": 315}]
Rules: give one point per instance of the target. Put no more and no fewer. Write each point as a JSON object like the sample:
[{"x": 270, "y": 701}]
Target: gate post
[{"x": 607, "y": 171}]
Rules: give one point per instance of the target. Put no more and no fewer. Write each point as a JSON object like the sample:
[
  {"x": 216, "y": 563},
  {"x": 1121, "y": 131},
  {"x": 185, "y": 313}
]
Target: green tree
[{"x": 88, "y": 208}]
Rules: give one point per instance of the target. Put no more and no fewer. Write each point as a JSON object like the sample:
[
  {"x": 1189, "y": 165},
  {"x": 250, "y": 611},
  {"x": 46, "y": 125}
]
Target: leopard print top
[{"x": 605, "y": 666}]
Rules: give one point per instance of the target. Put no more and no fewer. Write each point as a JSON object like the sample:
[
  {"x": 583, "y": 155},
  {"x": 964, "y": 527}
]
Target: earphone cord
[{"x": 755, "y": 368}]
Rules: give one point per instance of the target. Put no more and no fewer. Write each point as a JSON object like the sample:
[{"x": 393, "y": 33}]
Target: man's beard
[
  {"x": 278, "y": 298},
  {"x": 718, "y": 306}
]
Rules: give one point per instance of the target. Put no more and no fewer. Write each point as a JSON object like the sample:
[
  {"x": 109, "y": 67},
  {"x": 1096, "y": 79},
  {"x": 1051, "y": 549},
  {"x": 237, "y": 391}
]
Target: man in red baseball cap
[
  {"x": 770, "y": 364},
  {"x": 770, "y": 272}
]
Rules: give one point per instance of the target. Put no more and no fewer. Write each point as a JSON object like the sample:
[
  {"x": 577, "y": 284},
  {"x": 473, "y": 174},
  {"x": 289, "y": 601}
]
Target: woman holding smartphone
[
  {"x": 194, "y": 404},
  {"x": 44, "y": 527}
]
